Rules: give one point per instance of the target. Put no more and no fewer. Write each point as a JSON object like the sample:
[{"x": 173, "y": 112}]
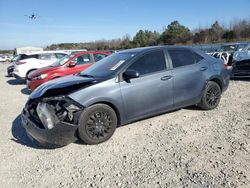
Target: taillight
[
  {"x": 228, "y": 67},
  {"x": 20, "y": 62}
]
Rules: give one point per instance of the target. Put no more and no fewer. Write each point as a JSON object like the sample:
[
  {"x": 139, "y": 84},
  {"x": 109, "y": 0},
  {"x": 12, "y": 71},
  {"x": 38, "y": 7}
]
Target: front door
[
  {"x": 152, "y": 92},
  {"x": 82, "y": 63}
]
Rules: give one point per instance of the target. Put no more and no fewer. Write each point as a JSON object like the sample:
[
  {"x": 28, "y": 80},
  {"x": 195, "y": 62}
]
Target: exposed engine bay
[{"x": 49, "y": 111}]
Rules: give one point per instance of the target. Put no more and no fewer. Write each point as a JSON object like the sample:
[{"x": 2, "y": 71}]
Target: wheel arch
[
  {"x": 218, "y": 81},
  {"x": 215, "y": 79},
  {"x": 113, "y": 107},
  {"x": 27, "y": 73}
]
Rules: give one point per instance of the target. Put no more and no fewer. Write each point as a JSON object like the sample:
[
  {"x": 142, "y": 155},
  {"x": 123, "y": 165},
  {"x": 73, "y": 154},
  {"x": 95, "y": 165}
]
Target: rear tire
[
  {"x": 97, "y": 124},
  {"x": 211, "y": 96}
]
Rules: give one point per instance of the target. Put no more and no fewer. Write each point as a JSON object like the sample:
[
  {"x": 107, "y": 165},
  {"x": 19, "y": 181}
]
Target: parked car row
[
  {"x": 226, "y": 51},
  {"x": 69, "y": 64},
  {"x": 118, "y": 89},
  {"x": 35, "y": 61},
  {"x": 241, "y": 63},
  {"x": 5, "y": 58},
  {"x": 235, "y": 56}
]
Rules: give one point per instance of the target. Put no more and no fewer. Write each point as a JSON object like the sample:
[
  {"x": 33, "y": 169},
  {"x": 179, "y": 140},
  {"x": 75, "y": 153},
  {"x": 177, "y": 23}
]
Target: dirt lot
[{"x": 185, "y": 148}]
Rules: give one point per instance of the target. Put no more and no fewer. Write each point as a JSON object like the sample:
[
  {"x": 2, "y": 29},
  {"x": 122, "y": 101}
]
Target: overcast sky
[{"x": 81, "y": 21}]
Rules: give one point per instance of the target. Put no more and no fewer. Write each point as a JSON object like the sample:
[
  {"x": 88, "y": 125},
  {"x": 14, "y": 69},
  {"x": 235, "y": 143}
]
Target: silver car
[{"x": 124, "y": 87}]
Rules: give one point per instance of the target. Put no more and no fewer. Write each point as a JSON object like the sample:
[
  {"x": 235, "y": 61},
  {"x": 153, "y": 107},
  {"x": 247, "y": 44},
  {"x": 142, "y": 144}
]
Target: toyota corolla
[{"x": 124, "y": 87}]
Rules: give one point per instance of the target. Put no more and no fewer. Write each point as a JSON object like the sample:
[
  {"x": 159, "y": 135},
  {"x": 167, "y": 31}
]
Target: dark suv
[{"x": 119, "y": 89}]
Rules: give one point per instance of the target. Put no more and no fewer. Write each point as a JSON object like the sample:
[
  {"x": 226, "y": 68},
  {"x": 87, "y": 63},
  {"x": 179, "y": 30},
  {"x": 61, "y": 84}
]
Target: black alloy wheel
[
  {"x": 211, "y": 96},
  {"x": 97, "y": 124}
]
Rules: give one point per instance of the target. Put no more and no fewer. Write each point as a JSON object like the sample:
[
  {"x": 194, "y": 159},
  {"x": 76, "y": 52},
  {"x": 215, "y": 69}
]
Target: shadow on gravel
[
  {"x": 16, "y": 82},
  {"x": 25, "y": 91},
  {"x": 241, "y": 79},
  {"x": 196, "y": 108},
  {"x": 20, "y": 135}
]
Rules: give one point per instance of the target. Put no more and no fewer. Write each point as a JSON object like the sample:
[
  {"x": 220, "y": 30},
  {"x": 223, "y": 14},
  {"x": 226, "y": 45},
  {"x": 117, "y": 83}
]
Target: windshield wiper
[{"x": 87, "y": 75}]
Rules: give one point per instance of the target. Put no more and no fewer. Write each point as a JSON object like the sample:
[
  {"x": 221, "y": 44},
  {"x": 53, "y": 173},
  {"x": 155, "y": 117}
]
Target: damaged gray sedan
[{"x": 124, "y": 87}]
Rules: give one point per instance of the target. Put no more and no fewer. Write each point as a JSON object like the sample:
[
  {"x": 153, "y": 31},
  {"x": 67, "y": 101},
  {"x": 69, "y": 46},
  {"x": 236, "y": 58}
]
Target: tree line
[{"x": 174, "y": 33}]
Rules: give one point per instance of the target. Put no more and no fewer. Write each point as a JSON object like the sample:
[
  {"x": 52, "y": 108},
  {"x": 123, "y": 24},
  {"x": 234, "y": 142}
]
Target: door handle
[
  {"x": 164, "y": 78},
  {"x": 203, "y": 68}
]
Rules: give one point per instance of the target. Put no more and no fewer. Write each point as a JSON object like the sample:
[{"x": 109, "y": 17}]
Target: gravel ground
[{"x": 185, "y": 148}]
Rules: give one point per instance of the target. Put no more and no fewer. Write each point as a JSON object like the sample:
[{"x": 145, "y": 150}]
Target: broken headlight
[
  {"x": 46, "y": 115},
  {"x": 54, "y": 109}
]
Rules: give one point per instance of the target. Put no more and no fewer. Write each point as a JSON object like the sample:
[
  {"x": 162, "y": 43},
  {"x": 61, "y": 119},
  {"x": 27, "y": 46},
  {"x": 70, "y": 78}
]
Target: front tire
[
  {"x": 211, "y": 96},
  {"x": 97, "y": 124}
]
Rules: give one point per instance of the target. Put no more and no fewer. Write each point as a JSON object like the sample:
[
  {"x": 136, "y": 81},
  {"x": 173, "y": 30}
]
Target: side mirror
[
  {"x": 71, "y": 64},
  {"x": 130, "y": 74}
]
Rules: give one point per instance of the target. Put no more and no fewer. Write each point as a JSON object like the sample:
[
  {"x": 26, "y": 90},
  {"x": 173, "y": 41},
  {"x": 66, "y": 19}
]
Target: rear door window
[
  {"x": 150, "y": 63},
  {"x": 98, "y": 57},
  {"x": 182, "y": 57},
  {"x": 59, "y": 55},
  {"x": 197, "y": 57}
]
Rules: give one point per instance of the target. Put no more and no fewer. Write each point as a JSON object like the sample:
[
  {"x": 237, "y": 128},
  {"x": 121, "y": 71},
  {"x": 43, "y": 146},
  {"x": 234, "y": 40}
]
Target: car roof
[
  {"x": 45, "y": 52},
  {"x": 233, "y": 43},
  {"x": 89, "y": 52},
  {"x": 145, "y": 49}
]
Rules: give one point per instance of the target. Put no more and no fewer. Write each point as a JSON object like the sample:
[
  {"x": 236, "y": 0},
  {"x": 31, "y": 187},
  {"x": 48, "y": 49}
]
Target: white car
[
  {"x": 5, "y": 59},
  {"x": 35, "y": 61}
]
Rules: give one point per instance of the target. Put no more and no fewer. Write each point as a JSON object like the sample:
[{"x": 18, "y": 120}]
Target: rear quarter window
[
  {"x": 24, "y": 56},
  {"x": 45, "y": 56}
]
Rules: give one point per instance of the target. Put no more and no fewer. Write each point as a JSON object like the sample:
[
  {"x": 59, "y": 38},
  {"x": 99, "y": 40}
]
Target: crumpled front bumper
[{"x": 62, "y": 134}]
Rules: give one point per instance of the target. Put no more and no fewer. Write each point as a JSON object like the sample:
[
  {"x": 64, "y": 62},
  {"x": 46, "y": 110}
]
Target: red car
[{"x": 70, "y": 64}]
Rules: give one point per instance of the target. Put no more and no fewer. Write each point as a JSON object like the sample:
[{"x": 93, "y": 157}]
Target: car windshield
[
  {"x": 108, "y": 65},
  {"x": 62, "y": 60},
  {"x": 225, "y": 48},
  {"x": 247, "y": 47}
]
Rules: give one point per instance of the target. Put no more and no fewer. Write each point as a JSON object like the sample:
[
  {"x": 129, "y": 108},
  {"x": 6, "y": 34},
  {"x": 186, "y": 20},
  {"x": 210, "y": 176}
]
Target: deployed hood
[{"x": 62, "y": 86}]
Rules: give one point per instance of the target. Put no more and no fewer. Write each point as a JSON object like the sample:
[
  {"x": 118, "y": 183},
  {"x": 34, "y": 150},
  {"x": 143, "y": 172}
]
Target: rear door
[
  {"x": 189, "y": 76},
  {"x": 152, "y": 91}
]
